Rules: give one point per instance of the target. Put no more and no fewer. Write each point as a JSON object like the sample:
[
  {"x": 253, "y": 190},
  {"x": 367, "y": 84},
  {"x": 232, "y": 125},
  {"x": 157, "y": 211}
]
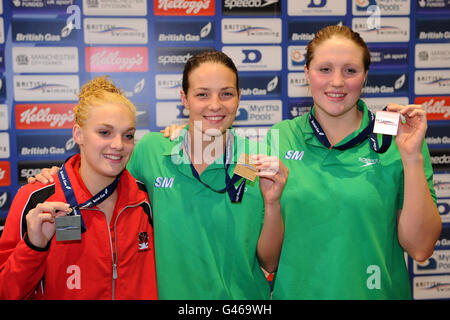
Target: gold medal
[{"x": 244, "y": 168}]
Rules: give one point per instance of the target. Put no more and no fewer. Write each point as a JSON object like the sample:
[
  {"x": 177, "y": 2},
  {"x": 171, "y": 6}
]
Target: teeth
[
  {"x": 335, "y": 95},
  {"x": 214, "y": 118},
  {"x": 112, "y": 157}
]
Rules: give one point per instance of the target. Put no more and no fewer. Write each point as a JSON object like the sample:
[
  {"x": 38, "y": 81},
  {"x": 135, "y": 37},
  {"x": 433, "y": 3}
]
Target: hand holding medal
[
  {"x": 272, "y": 174},
  {"x": 271, "y": 171},
  {"x": 412, "y": 128},
  {"x": 41, "y": 221}
]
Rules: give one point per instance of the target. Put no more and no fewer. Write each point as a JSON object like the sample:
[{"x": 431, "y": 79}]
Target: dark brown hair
[
  {"x": 337, "y": 31},
  {"x": 213, "y": 56}
]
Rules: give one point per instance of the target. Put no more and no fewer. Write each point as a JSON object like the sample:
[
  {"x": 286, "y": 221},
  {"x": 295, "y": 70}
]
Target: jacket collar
[
  {"x": 128, "y": 190},
  {"x": 305, "y": 127}
]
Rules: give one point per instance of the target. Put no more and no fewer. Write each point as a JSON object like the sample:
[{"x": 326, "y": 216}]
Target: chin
[
  {"x": 213, "y": 132},
  {"x": 115, "y": 170},
  {"x": 113, "y": 174}
]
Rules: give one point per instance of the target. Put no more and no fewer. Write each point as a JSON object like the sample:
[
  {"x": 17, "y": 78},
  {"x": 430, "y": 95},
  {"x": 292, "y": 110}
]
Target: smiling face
[
  {"x": 212, "y": 98},
  {"x": 336, "y": 76},
  {"x": 106, "y": 140}
]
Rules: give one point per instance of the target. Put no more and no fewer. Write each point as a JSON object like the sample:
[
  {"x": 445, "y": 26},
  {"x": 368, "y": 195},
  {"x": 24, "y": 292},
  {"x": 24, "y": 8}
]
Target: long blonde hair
[{"x": 96, "y": 92}]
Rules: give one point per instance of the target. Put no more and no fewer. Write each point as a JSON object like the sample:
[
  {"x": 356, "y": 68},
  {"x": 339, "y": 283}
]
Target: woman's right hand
[
  {"x": 45, "y": 176},
  {"x": 41, "y": 221},
  {"x": 173, "y": 131}
]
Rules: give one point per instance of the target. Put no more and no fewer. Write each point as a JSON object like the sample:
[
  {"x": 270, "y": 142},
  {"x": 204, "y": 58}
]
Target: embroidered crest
[{"x": 143, "y": 241}]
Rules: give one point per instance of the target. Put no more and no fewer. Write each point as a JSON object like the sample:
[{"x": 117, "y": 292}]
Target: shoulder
[
  {"x": 135, "y": 184},
  {"x": 288, "y": 130},
  {"x": 243, "y": 139},
  {"x": 150, "y": 146},
  {"x": 141, "y": 186},
  {"x": 290, "y": 124},
  {"x": 249, "y": 146},
  {"x": 135, "y": 193},
  {"x": 37, "y": 191},
  {"x": 134, "y": 188},
  {"x": 151, "y": 138},
  {"x": 154, "y": 143},
  {"x": 27, "y": 198}
]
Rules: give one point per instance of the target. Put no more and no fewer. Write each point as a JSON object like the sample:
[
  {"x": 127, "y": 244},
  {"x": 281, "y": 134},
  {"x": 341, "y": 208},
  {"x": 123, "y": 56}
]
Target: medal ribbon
[
  {"x": 235, "y": 194},
  {"x": 72, "y": 201},
  {"x": 367, "y": 132}
]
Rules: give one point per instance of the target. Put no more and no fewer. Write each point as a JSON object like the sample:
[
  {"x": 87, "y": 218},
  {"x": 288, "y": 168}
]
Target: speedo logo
[
  {"x": 173, "y": 59},
  {"x": 294, "y": 155},
  {"x": 230, "y": 4},
  {"x": 368, "y": 162},
  {"x": 163, "y": 182}
]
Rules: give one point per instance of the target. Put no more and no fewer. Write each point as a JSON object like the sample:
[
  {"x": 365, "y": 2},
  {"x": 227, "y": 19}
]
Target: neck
[
  {"x": 94, "y": 182},
  {"x": 337, "y": 128},
  {"x": 205, "y": 149}
]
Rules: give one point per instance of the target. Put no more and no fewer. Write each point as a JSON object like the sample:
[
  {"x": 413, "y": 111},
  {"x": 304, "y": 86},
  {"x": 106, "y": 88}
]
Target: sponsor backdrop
[{"x": 49, "y": 48}]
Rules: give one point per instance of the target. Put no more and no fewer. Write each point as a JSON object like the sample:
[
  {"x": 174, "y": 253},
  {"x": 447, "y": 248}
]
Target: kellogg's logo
[
  {"x": 437, "y": 108},
  {"x": 44, "y": 116},
  {"x": 184, "y": 7},
  {"x": 116, "y": 59},
  {"x": 5, "y": 173}
]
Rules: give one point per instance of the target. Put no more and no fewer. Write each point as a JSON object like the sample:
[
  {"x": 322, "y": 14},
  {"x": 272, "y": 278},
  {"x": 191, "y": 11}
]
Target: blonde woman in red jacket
[{"x": 89, "y": 234}]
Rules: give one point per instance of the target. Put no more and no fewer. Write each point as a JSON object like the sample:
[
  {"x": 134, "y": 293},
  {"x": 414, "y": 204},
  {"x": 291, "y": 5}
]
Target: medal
[
  {"x": 386, "y": 122},
  {"x": 245, "y": 168},
  {"x": 71, "y": 226},
  {"x": 68, "y": 228}
]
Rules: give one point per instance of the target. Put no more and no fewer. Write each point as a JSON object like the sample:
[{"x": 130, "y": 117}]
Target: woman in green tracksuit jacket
[
  {"x": 208, "y": 244},
  {"x": 350, "y": 208}
]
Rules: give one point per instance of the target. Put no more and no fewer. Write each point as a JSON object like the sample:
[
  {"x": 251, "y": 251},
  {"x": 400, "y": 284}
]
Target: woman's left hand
[
  {"x": 411, "y": 132},
  {"x": 273, "y": 175}
]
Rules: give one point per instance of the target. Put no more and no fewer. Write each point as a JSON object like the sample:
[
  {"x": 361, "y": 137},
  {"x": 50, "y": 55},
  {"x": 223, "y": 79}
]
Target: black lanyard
[
  {"x": 235, "y": 194},
  {"x": 367, "y": 132},
  {"x": 70, "y": 195}
]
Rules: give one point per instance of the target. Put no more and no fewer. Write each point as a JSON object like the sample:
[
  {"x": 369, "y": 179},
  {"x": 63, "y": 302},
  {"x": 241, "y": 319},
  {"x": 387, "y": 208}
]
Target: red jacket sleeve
[{"x": 21, "y": 267}]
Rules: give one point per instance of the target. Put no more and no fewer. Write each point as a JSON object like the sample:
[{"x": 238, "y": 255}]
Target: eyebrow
[
  {"x": 225, "y": 88},
  {"x": 111, "y": 127}
]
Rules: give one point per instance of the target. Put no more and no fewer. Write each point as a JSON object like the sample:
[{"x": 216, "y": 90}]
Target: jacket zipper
[
  {"x": 114, "y": 271},
  {"x": 114, "y": 256},
  {"x": 114, "y": 262}
]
